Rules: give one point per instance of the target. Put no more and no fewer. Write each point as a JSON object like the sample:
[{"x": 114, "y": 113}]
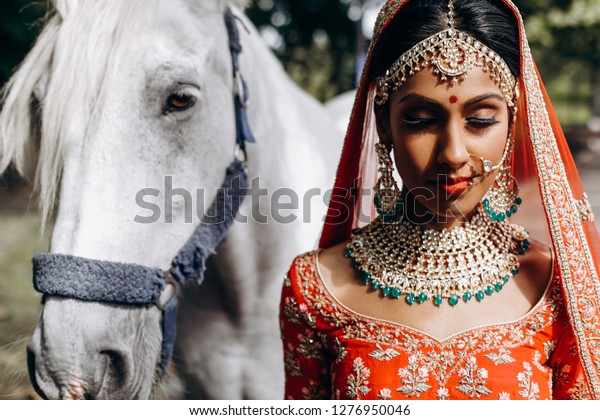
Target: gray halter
[{"x": 132, "y": 284}]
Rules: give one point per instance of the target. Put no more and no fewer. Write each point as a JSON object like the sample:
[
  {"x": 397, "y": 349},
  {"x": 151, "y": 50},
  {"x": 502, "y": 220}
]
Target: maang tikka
[{"x": 452, "y": 54}]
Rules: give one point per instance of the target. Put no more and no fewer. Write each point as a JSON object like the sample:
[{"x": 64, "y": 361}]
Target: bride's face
[{"x": 439, "y": 132}]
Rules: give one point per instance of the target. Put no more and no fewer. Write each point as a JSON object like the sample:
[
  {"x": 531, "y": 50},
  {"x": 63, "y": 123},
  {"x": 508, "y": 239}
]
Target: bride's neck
[{"x": 417, "y": 214}]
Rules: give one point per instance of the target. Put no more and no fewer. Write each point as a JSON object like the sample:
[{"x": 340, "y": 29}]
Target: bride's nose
[{"x": 452, "y": 148}]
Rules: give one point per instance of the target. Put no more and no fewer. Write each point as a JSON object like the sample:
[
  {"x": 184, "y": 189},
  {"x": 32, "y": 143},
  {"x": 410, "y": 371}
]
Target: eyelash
[
  {"x": 478, "y": 123},
  {"x": 482, "y": 122}
]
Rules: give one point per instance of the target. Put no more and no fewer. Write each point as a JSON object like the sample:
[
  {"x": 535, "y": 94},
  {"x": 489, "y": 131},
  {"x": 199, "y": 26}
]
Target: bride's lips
[{"x": 454, "y": 186}]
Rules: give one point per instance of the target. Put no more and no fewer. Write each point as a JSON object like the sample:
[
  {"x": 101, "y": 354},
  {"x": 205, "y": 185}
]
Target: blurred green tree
[
  {"x": 314, "y": 39},
  {"x": 318, "y": 41},
  {"x": 565, "y": 37},
  {"x": 20, "y": 22}
]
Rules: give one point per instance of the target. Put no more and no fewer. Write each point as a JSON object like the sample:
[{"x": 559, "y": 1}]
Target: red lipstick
[{"x": 454, "y": 186}]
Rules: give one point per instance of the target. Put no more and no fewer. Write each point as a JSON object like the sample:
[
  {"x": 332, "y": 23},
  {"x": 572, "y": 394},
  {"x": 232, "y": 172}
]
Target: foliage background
[{"x": 318, "y": 42}]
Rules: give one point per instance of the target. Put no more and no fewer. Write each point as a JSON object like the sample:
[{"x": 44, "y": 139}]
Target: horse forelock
[{"x": 65, "y": 76}]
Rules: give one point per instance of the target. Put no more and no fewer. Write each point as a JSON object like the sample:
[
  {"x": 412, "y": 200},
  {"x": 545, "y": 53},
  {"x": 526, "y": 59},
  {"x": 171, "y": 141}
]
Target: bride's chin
[{"x": 452, "y": 212}]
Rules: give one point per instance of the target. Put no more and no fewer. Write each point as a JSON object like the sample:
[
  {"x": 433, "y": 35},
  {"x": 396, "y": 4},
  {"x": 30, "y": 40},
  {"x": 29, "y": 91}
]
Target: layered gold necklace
[{"x": 471, "y": 261}]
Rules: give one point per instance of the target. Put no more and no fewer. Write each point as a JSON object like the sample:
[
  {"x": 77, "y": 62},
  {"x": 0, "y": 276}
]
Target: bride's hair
[{"x": 491, "y": 22}]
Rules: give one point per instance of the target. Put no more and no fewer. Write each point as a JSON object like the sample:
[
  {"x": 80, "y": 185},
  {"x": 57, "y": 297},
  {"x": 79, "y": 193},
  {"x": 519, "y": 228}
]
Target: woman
[{"x": 441, "y": 296}]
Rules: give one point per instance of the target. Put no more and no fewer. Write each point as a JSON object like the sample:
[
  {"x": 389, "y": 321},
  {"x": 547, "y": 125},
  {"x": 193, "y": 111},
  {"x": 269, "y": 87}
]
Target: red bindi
[{"x": 453, "y": 99}]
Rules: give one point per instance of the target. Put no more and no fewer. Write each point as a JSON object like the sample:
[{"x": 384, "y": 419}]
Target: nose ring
[{"x": 486, "y": 165}]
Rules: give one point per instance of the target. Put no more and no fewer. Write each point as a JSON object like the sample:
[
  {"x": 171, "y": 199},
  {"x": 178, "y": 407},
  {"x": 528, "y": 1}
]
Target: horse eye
[{"x": 180, "y": 102}]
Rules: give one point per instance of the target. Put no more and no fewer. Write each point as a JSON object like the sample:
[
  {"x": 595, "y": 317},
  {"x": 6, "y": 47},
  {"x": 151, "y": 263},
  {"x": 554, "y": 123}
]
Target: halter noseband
[{"x": 132, "y": 284}]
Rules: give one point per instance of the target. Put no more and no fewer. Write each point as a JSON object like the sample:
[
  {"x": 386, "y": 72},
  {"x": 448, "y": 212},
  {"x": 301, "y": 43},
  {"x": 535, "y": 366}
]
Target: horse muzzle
[{"x": 71, "y": 355}]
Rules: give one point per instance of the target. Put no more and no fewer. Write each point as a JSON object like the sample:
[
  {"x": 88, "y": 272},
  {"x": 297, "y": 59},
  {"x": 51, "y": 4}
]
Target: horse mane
[
  {"x": 242, "y": 4},
  {"x": 63, "y": 78},
  {"x": 71, "y": 73}
]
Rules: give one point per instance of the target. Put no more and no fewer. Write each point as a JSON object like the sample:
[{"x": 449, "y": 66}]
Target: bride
[{"x": 478, "y": 276}]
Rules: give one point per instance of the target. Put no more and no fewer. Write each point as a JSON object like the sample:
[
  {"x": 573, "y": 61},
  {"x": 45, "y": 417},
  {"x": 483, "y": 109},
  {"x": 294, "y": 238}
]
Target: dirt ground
[{"x": 20, "y": 239}]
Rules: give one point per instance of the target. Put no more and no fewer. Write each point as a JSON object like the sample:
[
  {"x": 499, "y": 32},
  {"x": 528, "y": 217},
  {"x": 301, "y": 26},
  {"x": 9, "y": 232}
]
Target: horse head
[
  {"x": 114, "y": 97},
  {"x": 123, "y": 114}
]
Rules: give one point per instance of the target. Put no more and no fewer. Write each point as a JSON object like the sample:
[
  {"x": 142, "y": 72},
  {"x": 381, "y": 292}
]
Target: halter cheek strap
[{"x": 111, "y": 282}]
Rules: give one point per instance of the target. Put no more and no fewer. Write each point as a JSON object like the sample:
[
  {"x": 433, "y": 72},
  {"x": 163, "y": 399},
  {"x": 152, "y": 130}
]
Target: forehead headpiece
[{"x": 452, "y": 54}]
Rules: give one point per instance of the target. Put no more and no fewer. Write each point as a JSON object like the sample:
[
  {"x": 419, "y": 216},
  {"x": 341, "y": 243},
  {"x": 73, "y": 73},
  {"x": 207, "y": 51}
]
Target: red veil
[{"x": 555, "y": 208}]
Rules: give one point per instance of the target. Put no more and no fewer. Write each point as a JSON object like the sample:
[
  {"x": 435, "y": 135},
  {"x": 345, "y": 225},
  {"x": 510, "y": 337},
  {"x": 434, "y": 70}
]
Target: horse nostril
[
  {"x": 31, "y": 370},
  {"x": 117, "y": 368}
]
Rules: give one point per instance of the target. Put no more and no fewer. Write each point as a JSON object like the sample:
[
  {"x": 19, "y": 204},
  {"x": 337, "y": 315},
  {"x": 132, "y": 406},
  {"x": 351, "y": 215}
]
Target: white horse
[{"x": 114, "y": 97}]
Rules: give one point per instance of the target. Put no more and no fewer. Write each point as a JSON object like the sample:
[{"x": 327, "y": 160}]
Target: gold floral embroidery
[
  {"x": 414, "y": 377},
  {"x": 528, "y": 389},
  {"x": 585, "y": 209},
  {"x": 357, "y": 382},
  {"x": 502, "y": 357},
  {"x": 387, "y": 12},
  {"x": 339, "y": 350},
  {"x": 309, "y": 346},
  {"x": 472, "y": 379},
  {"x": 381, "y": 354},
  {"x": 504, "y": 396},
  {"x": 292, "y": 367},
  {"x": 441, "y": 361},
  {"x": 579, "y": 390},
  {"x": 385, "y": 394},
  {"x": 291, "y": 312},
  {"x": 549, "y": 347},
  {"x": 442, "y": 394},
  {"x": 537, "y": 357}
]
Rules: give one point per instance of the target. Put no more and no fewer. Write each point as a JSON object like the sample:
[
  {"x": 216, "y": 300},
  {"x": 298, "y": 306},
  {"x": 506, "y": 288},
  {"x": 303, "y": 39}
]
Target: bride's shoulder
[
  {"x": 536, "y": 267},
  {"x": 334, "y": 266},
  {"x": 539, "y": 257}
]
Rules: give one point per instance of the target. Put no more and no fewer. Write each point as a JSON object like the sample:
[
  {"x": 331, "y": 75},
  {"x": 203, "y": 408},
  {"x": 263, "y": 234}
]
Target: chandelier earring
[
  {"x": 387, "y": 200},
  {"x": 502, "y": 199}
]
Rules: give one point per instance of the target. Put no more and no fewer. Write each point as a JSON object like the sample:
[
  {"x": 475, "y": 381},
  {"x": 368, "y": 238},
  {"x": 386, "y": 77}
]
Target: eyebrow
[
  {"x": 422, "y": 98},
  {"x": 483, "y": 97},
  {"x": 435, "y": 103}
]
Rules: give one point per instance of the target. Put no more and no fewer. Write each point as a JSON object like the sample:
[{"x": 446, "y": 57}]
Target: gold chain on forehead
[{"x": 451, "y": 53}]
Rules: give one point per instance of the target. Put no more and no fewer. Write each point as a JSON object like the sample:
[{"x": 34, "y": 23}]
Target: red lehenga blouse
[{"x": 332, "y": 352}]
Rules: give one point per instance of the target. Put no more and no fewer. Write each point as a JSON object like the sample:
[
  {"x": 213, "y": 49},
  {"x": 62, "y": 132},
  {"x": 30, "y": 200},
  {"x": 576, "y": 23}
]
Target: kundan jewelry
[
  {"x": 387, "y": 198},
  {"x": 502, "y": 199},
  {"x": 452, "y": 53},
  {"x": 471, "y": 261}
]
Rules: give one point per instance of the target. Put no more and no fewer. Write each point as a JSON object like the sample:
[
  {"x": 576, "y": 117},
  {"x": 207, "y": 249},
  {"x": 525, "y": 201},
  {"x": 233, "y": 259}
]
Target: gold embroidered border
[{"x": 579, "y": 276}]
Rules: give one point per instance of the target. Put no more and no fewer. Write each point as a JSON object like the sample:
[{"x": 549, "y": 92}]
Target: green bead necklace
[{"x": 475, "y": 260}]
